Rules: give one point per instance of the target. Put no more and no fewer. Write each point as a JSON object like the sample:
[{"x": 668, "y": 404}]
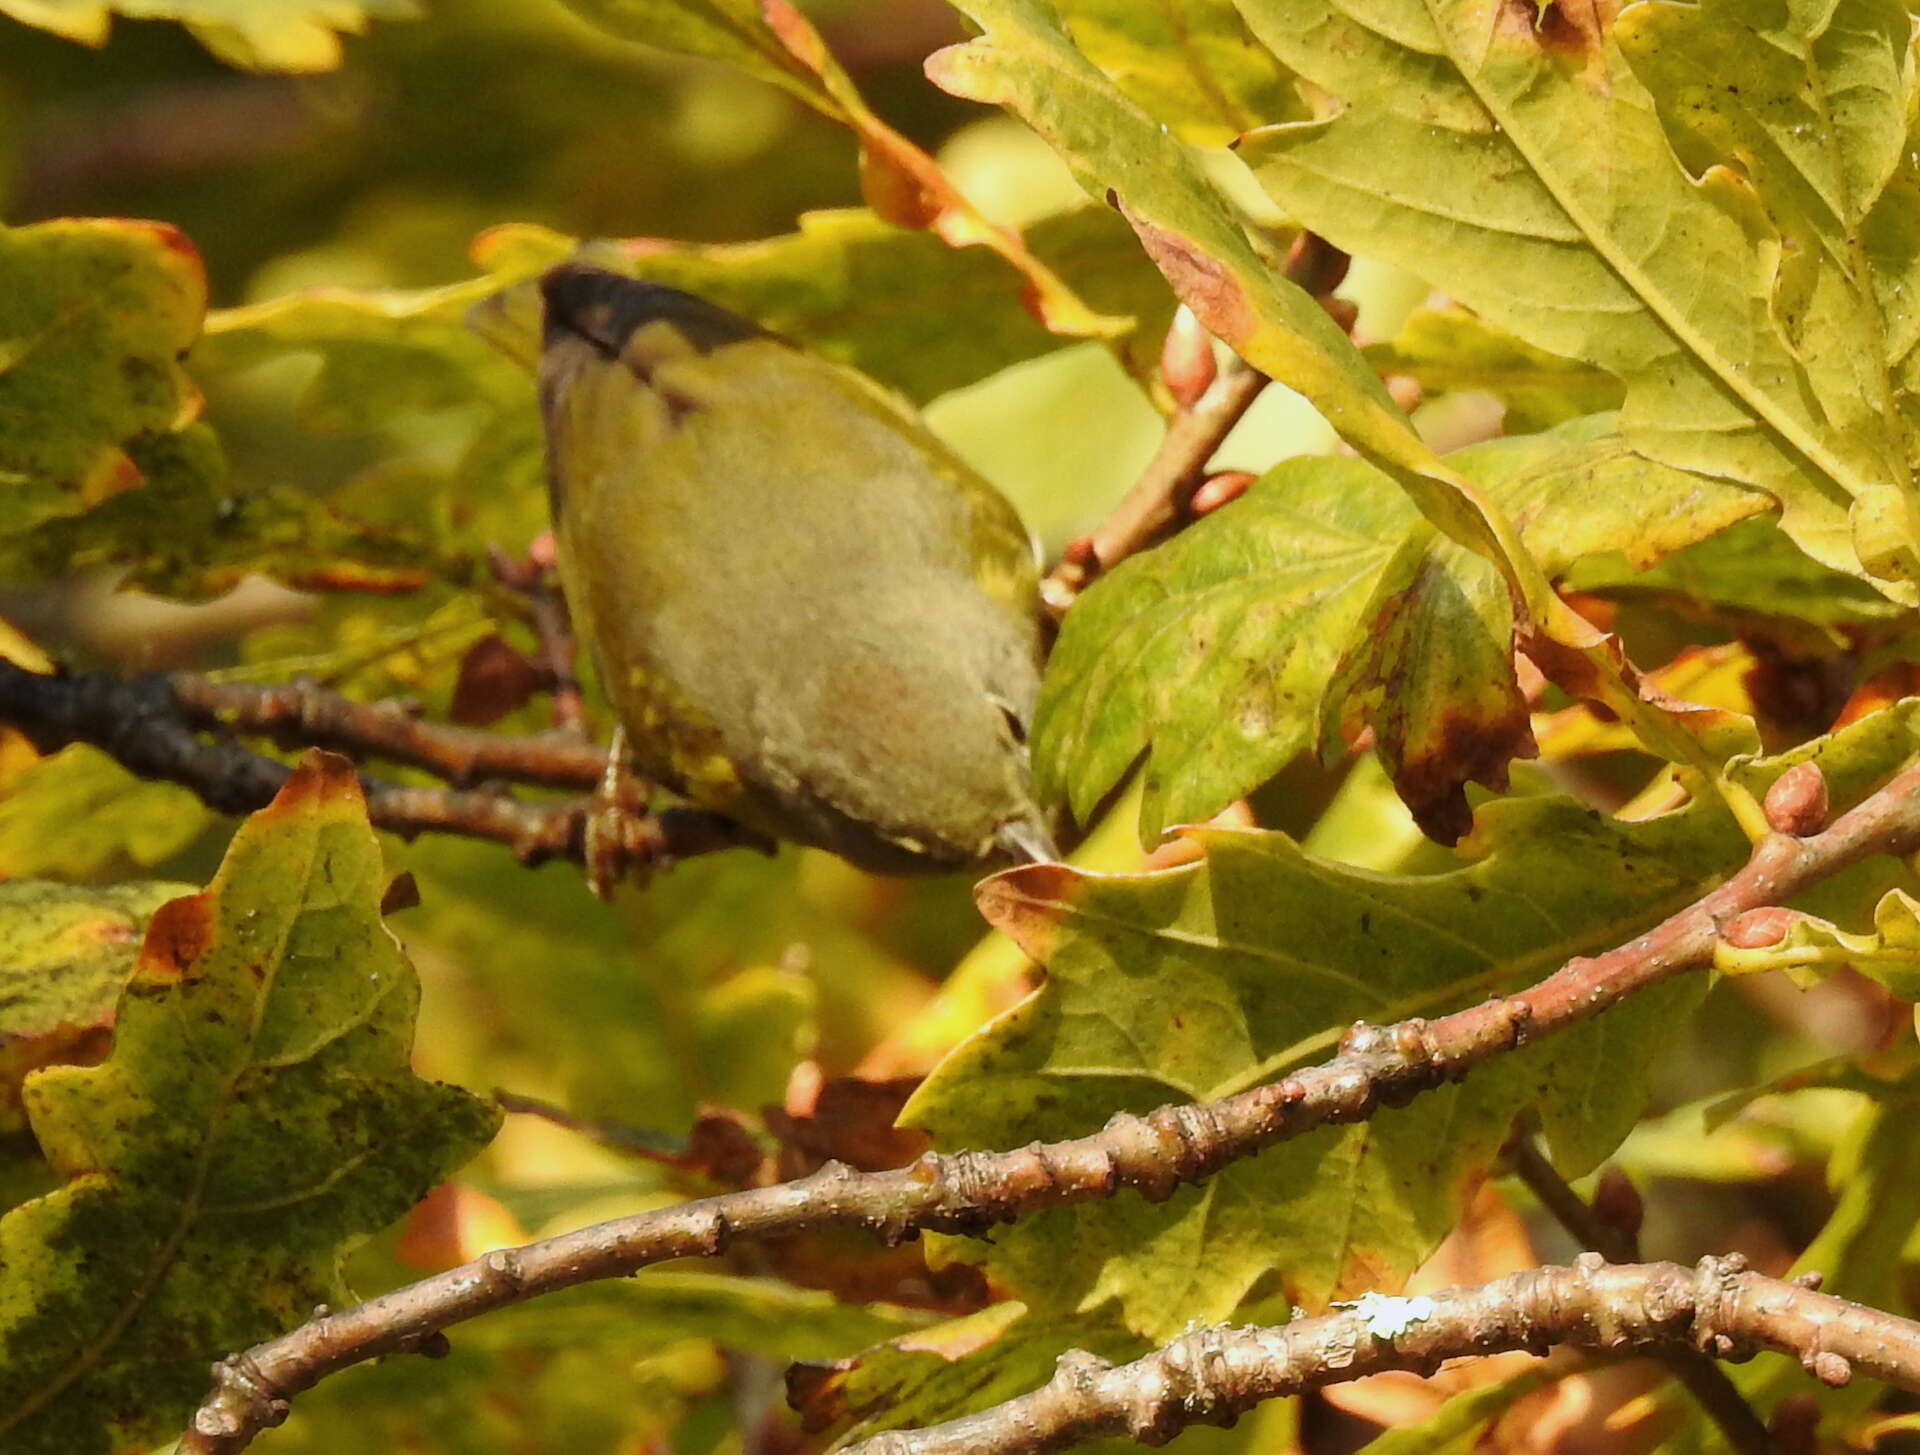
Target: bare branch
[
  {"x": 1213, "y": 1375},
  {"x": 1716, "y": 1394},
  {"x": 147, "y": 725},
  {"x": 1153, "y": 1154}
]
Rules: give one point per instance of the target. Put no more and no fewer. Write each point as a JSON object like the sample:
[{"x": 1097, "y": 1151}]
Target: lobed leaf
[
  {"x": 1197, "y": 982},
  {"x": 1321, "y": 603},
  {"x": 1221, "y": 265},
  {"x": 256, "y": 1117},
  {"x": 1744, "y": 267}
]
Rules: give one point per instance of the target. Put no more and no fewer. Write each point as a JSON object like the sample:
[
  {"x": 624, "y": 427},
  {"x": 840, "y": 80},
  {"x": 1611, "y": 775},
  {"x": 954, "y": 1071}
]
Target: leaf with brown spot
[
  {"x": 97, "y": 314},
  {"x": 256, "y": 1118}
]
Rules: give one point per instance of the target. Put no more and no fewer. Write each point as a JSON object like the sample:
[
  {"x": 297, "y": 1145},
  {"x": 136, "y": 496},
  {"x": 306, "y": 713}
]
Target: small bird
[{"x": 808, "y": 613}]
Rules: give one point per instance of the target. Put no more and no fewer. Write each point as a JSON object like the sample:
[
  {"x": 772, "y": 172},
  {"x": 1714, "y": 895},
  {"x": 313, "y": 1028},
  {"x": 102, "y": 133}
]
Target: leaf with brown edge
[
  {"x": 65, "y": 952},
  {"x": 1220, "y": 264},
  {"x": 1319, "y": 605},
  {"x": 900, "y": 182},
  {"x": 255, "y": 1119},
  {"x": 1194, "y": 983}
]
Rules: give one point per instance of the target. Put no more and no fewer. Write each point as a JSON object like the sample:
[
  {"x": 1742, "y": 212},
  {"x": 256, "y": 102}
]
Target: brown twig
[
  {"x": 1211, "y": 1376},
  {"x": 1716, "y": 1394},
  {"x": 535, "y": 578},
  {"x": 1153, "y": 1154},
  {"x": 301, "y": 715},
  {"x": 1163, "y": 497},
  {"x": 147, "y": 725}
]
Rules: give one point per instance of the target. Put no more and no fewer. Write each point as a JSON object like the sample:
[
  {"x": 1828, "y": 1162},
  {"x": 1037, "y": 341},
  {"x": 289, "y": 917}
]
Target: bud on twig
[
  {"x": 1616, "y": 1202},
  {"x": 1758, "y": 928},
  {"x": 1797, "y": 802},
  {"x": 1216, "y": 490},
  {"x": 1186, "y": 359}
]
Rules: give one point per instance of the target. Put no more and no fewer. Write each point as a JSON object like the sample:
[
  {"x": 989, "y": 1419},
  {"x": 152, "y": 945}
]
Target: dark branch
[{"x": 147, "y": 725}]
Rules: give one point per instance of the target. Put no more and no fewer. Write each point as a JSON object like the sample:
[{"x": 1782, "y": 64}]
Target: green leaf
[
  {"x": 1320, "y": 601},
  {"x": 186, "y": 533},
  {"x": 64, "y": 954},
  {"x": 94, "y": 315},
  {"x": 1191, "y": 64},
  {"x": 1445, "y": 349},
  {"x": 80, "y": 815},
  {"x": 1751, "y": 571},
  {"x": 262, "y": 35},
  {"x": 1219, "y": 263},
  {"x": 730, "y": 31},
  {"x": 1193, "y": 983},
  {"x": 860, "y": 290},
  {"x": 256, "y": 1118},
  {"x": 1757, "y": 300}
]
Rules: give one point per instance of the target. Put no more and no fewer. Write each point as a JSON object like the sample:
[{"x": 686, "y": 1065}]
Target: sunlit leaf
[
  {"x": 1222, "y": 266},
  {"x": 262, "y": 35},
  {"x": 1320, "y": 602},
  {"x": 1746, "y": 269},
  {"x": 257, "y": 1117},
  {"x": 1196, "y": 982}
]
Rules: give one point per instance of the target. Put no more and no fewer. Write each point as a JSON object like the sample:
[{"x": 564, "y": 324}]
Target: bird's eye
[{"x": 1015, "y": 725}]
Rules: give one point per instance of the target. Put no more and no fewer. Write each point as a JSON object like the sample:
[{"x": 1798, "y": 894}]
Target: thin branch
[
  {"x": 536, "y": 578},
  {"x": 147, "y": 725},
  {"x": 1211, "y": 1376},
  {"x": 1163, "y": 497},
  {"x": 1153, "y": 1154},
  {"x": 1716, "y": 1394}
]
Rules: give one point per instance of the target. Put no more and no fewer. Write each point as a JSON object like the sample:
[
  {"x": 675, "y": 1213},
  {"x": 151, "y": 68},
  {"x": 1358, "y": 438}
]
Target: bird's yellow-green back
[{"x": 806, "y": 610}]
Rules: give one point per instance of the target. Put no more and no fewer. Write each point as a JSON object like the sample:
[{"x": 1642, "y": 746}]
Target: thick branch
[
  {"x": 1211, "y": 1376},
  {"x": 1154, "y": 1154},
  {"x": 147, "y": 725}
]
